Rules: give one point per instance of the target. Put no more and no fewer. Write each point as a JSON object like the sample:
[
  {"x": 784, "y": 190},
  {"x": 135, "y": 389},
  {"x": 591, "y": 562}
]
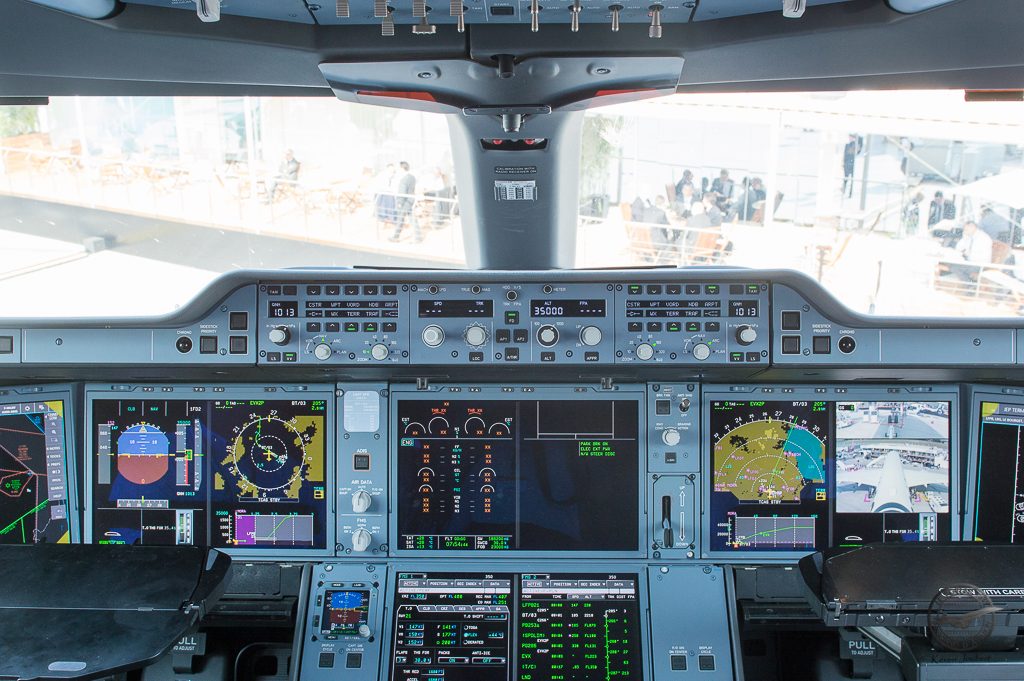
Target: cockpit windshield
[{"x": 900, "y": 203}]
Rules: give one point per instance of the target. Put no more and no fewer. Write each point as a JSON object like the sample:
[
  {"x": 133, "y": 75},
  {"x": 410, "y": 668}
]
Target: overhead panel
[{"x": 426, "y": 15}]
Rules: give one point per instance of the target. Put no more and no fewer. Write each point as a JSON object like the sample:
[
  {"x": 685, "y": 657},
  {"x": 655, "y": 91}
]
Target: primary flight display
[{"x": 231, "y": 473}]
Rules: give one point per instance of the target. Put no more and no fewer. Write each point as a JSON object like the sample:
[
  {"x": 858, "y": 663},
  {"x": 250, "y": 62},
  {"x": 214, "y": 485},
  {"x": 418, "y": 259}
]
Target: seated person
[{"x": 976, "y": 249}]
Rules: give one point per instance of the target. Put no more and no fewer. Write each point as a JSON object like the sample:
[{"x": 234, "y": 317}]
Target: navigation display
[
  {"x": 769, "y": 489},
  {"x": 527, "y": 475},
  {"x": 804, "y": 475},
  {"x": 999, "y": 493},
  {"x": 227, "y": 473},
  {"x": 528, "y": 627},
  {"x": 34, "y": 496}
]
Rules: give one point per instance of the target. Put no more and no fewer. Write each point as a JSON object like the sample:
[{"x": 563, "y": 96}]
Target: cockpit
[{"x": 534, "y": 340}]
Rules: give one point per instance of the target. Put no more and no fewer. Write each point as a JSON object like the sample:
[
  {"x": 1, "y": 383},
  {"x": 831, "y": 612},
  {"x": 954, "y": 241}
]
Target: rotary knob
[
  {"x": 547, "y": 335},
  {"x": 364, "y": 631},
  {"x": 361, "y": 501},
  {"x": 746, "y": 334},
  {"x": 701, "y": 352},
  {"x": 475, "y": 336},
  {"x": 432, "y": 336},
  {"x": 361, "y": 540},
  {"x": 671, "y": 437},
  {"x": 591, "y": 335},
  {"x": 279, "y": 335},
  {"x": 644, "y": 351},
  {"x": 322, "y": 352},
  {"x": 379, "y": 352}
]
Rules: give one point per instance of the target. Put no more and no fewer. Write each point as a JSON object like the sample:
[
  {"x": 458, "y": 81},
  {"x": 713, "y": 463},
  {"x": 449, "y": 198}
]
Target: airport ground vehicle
[{"x": 517, "y": 470}]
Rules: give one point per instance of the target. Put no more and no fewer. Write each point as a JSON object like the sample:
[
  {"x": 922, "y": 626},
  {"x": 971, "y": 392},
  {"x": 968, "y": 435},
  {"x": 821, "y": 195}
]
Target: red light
[
  {"x": 497, "y": 143},
  {"x": 419, "y": 96}
]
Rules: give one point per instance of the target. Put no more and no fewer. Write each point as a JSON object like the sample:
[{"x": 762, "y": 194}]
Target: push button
[
  {"x": 678, "y": 662},
  {"x": 349, "y": 291},
  {"x": 326, "y": 661},
  {"x": 791, "y": 345},
  {"x": 238, "y": 321},
  {"x": 208, "y": 345},
  {"x": 503, "y": 336},
  {"x": 511, "y": 317},
  {"x": 6, "y": 345},
  {"x": 512, "y": 355},
  {"x": 355, "y": 661},
  {"x": 521, "y": 336},
  {"x": 706, "y": 663},
  {"x": 635, "y": 327},
  {"x": 290, "y": 290},
  {"x": 821, "y": 345},
  {"x": 663, "y": 407},
  {"x": 790, "y": 320},
  {"x": 238, "y": 345},
  {"x": 389, "y": 290},
  {"x": 753, "y": 356}
]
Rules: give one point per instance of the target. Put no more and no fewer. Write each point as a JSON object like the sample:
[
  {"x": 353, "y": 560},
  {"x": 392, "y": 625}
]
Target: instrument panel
[{"x": 512, "y": 477}]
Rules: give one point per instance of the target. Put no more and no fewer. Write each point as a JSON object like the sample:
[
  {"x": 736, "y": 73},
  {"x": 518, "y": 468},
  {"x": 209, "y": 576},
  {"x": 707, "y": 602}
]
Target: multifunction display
[
  {"x": 232, "y": 473},
  {"x": 999, "y": 495},
  {"x": 34, "y": 504},
  {"x": 529, "y": 627},
  {"x": 518, "y": 474},
  {"x": 802, "y": 475}
]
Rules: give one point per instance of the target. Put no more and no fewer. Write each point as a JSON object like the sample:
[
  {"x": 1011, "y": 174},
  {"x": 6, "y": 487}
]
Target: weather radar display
[
  {"x": 33, "y": 473},
  {"x": 225, "y": 473},
  {"x": 769, "y": 487}
]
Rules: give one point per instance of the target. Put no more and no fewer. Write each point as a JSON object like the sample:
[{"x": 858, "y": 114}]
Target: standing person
[
  {"x": 850, "y": 152},
  {"x": 940, "y": 209},
  {"x": 687, "y": 179},
  {"x": 405, "y": 200}
]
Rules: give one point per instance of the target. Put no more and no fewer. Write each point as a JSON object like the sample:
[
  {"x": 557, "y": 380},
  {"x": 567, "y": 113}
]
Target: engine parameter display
[
  {"x": 33, "y": 473},
  {"x": 225, "y": 473},
  {"x": 506, "y": 475}
]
